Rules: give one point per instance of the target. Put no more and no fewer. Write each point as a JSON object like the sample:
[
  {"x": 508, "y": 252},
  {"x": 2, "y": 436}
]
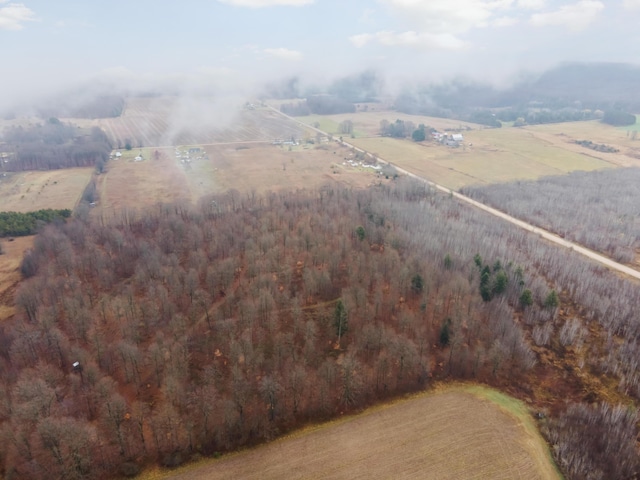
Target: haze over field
[{"x": 230, "y": 45}]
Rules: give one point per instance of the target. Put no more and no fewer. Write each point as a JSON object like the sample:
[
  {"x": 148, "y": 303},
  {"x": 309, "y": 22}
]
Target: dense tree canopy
[
  {"x": 18, "y": 224},
  {"x": 54, "y": 145},
  {"x": 182, "y": 330},
  {"x": 618, "y": 118}
]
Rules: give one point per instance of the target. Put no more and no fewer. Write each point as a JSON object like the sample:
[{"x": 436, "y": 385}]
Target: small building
[{"x": 452, "y": 140}]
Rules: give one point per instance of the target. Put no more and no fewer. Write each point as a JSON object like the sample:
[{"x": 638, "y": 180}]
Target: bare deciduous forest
[
  {"x": 199, "y": 330},
  {"x": 54, "y": 145},
  {"x": 596, "y": 209}
]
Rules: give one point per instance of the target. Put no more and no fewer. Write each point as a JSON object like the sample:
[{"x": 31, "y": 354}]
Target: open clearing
[
  {"x": 368, "y": 123},
  {"x": 492, "y": 155},
  {"x": 9, "y": 273},
  {"x": 488, "y": 155},
  {"x": 246, "y": 167},
  {"x": 488, "y": 160},
  {"x": 272, "y": 167},
  {"x": 468, "y": 432},
  {"x": 35, "y": 190},
  {"x": 128, "y": 184}
]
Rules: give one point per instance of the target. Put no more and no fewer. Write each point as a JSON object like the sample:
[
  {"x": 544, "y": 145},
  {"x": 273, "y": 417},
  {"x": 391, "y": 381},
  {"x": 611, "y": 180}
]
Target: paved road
[{"x": 547, "y": 235}]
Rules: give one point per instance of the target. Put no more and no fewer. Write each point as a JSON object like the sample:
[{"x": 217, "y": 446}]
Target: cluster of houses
[
  {"x": 118, "y": 154},
  {"x": 353, "y": 163},
  {"x": 186, "y": 156},
  {"x": 448, "y": 139},
  {"x": 356, "y": 164},
  {"x": 292, "y": 142}
]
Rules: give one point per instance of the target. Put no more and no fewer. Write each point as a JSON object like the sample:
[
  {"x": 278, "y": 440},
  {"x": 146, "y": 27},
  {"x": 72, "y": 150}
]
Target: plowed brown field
[{"x": 459, "y": 432}]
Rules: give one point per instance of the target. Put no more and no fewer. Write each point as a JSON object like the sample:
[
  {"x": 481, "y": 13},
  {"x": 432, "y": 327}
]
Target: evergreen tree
[
  {"x": 552, "y": 300},
  {"x": 340, "y": 319},
  {"x": 526, "y": 299},
  {"x": 445, "y": 332},
  {"x": 417, "y": 283}
]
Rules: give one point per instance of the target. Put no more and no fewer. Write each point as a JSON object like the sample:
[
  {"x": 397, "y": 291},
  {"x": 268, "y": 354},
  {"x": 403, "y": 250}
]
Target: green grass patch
[
  {"x": 323, "y": 123},
  {"x": 633, "y": 128},
  {"x": 516, "y": 408}
]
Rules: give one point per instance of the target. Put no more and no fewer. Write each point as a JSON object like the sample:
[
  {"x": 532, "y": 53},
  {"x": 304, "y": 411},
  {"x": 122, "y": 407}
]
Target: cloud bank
[
  {"x": 267, "y": 3},
  {"x": 14, "y": 15}
]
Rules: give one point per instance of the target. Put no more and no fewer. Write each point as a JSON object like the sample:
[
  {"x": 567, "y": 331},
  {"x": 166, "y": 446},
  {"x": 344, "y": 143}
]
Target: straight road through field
[{"x": 547, "y": 235}]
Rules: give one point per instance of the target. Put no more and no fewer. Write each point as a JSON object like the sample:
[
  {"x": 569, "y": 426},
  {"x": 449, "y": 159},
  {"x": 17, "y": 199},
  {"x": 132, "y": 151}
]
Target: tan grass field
[
  {"x": 455, "y": 432},
  {"x": 135, "y": 185},
  {"x": 368, "y": 123},
  {"x": 487, "y": 156},
  {"x": 9, "y": 273},
  {"x": 35, "y": 190},
  {"x": 251, "y": 167},
  {"x": 272, "y": 167}
]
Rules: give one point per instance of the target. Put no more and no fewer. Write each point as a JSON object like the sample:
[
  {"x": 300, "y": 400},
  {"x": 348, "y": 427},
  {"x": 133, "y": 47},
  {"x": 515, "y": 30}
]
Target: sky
[{"x": 235, "y": 44}]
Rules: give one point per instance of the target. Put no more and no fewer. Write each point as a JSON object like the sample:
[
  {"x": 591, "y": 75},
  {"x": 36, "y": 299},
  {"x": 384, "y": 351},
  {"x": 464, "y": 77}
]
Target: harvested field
[
  {"x": 250, "y": 167},
  {"x": 263, "y": 168},
  {"x": 368, "y": 123},
  {"x": 468, "y": 432},
  {"x": 566, "y": 134},
  {"x": 35, "y": 190},
  {"x": 166, "y": 121},
  {"x": 9, "y": 273},
  {"x": 488, "y": 156},
  {"x": 130, "y": 184}
]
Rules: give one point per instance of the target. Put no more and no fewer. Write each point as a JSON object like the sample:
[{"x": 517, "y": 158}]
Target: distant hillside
[
  {"x": 568, "y": 92},
  {"x": 595, "y": 85}
]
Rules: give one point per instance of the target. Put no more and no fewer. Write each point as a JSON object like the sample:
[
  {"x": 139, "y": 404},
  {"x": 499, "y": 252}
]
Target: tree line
[
  {"x": 16, "y": 224},
  {"x": 160, "y": 334},
  {"x": 618, "y": 118},
  {"x": 54, "y": 145}
]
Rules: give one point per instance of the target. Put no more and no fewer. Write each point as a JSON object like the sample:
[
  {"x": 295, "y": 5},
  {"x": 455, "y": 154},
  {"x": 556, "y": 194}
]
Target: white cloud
[
  {"x": 361, "y": 39},
  {"x": 420, "y": 41},
  {"x": 284, "y": 54},
  {"x": 575, "y": 17},
  {"x": 267, "y": 3},
  {"x": 439, "y": 24},
  {"x": 13, "y": 15},
  {"x": 448, "y": 16},
  {"x": 631, "y": 4},
  {"x": 532, "y": 4}
]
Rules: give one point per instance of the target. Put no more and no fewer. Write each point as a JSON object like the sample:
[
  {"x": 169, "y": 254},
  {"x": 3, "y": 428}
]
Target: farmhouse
[{"x": 452, "y": 140}]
